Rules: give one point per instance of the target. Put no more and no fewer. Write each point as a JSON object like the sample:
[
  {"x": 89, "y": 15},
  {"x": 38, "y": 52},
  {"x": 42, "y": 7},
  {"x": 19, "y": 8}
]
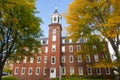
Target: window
[
  {"x": 107, "y": 70},
  {"x": 87, "y": 58},
  {"x": 53, "y": 48},
  {"x": 63, "y": 40},
  {"x": 80, "y": 69},
  {"x": 53, "y": 60},
  {"x": 63, "y": 59},
  {"x": 46, "y": 49},
  {"x": 71, "y": 58},
  {"x": 54, "y": 31},
  {"x": 63, "y": 71},
  {"x": 54, "y": 38},
  {"x": 16, "y": 70},
  {"x": 23, "y": 71},
  {"x": 104, "y": 56},
  {"x": 37, "y": 70},
  {"x": 78, "y": 48},
  {"x": 79, "y": 58},
  {"x": 30, "y": 71},
  {"x": 45, "y": 59},
  {"x": 96, "y": 58},
  {"x": 98, "y": 71},
  {"x": 71, "y": 70},
  {"x": 89, "y": 71},
  {"x": 31, "y": 60},
  {"x": 63, "y": 48},
  {"x": 45, "y": 71},
  {"x": 38, "y": 59},
  {"x": 70, "y": 40},
  {"x": 25, "y": 59},
  {"x": 70, "y": 48}
]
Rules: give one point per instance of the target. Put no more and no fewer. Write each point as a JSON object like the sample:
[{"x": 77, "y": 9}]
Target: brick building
[{"x": 56, "y": 57}]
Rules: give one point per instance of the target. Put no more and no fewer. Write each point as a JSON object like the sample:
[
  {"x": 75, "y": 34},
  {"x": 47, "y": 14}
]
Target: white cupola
[{"x": 55, "y": 17}]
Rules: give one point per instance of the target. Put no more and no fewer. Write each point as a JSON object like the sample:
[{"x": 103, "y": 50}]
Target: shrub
[{"x": 9, "y": 78}]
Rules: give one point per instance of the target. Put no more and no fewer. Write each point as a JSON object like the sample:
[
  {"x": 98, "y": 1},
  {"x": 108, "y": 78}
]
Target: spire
[{"x": 56, "y": 11}]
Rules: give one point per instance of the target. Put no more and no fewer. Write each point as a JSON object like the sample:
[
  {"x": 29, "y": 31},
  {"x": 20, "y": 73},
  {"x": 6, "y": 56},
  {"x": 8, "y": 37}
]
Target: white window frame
[
  {"x": 80, "y": 69},
  {"x": 45, "y": 59},
  {"x": 53, "y": 37},
  {"x": 46, "y": 49},
  {"x": 71, "y": 70},
  {"x": 37, "y": 72},
  {"x": 30, "y": 71},
  {"x": 23, "y": 71},
  {"x": 70, "y": 40},
  {"x": 53, "y": 57},
  {"x": 63, "y": 40},
  {"x": 107, "y": 70},
  {"x": 54, "y": 31},
  {"x": 96, "y": 58},
  {"x": 45, "y": 71},
  {"x": 63, "y": 71},
  {"x": 63, "y": 48},
  {"x": 38, "y": 59},
  {"x": 16, "y": 70},
  {"x": 79, "y": 58},
  {"x": 98, "y": 71},
  {"x": 70, "y": 48},
  {"x": 63, "y": 59},
  {"x": 71, "y": 58},
  {"x": 31, "y": 59},
  {"x": 25, "y": 59},
  {"x": 88, "y": 59},
  {"x": 89, "y": 70},
  {"x": 78, "y": 48},
  {"x": 53, "y": 48}
]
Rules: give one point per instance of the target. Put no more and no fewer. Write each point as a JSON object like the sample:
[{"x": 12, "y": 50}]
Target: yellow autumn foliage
[{"x": 85, "y": 17}]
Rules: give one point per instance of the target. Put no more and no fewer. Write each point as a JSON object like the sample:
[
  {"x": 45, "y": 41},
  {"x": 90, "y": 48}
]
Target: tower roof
[{"x": 56, "y": 11}]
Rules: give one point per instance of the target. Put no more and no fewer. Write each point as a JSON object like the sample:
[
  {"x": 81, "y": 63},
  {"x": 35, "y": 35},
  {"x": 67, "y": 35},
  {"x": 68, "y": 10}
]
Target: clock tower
[{"x": 54, "y": 45}]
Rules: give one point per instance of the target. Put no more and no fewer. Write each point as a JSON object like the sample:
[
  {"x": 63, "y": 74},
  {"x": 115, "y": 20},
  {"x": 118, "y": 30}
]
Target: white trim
[
  {"x": 30, "y": 71},
  {"x": 98, "y": 71},
  {"x": 107, "y": 70},
  {"x": 88, "y": 58},
  {"x": 63, "y": 71},
  {"x": 37, "y": 72},
  {"x": 80, "y": 70},
  {"x": 63, "y": 59},
  {"x": 70, "y": 48},
  {"x": 71, "y": 70},
  {"x": 38, "y": 59},
  {"x": 53, "y": 58},
  {"x": 23, "y": 71},
  {"x": 45, "y": 59},
  {"x": 71, "y": 58},
  {"x": 89, "y": 70},
  {"x": 79, "y": 58},
  {"x": 45, "y": 71},
  {"x": 16, "y": 70}
]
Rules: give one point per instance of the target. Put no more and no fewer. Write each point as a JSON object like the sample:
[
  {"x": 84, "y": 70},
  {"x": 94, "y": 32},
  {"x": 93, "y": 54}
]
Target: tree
[
  {"x": 19, "y": 29},
  {"x": 96, "y": 17}
]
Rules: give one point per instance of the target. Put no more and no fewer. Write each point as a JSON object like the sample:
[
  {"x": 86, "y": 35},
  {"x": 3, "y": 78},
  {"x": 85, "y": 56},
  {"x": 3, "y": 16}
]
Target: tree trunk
[{"x": 1, "y": 69}]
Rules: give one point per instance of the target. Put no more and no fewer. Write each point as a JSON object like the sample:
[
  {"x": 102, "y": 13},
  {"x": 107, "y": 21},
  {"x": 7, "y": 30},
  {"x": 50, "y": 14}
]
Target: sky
[{"x": 46, "y": 8}]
